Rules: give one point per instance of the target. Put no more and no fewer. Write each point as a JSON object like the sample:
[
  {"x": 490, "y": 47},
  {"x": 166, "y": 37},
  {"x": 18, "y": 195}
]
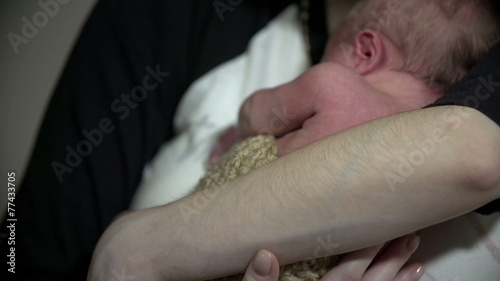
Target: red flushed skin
[{"x": 326, "y": 99}]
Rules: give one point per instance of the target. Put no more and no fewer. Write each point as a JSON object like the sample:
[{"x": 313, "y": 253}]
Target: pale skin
[
  {"x": 342, "y": 195},
  {"x": 365, "y": 87},
  {"x": 355, "y": 87},
  {"x": 346, "y": 90}
]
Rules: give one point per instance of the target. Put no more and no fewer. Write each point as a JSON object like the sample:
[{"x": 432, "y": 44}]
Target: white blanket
[
  {"x": 464, "y": 249},
  {"x": 275, "y": 55}
]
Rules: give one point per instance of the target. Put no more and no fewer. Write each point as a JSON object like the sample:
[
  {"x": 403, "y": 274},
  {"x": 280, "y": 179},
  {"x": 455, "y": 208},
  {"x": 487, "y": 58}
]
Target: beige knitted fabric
[{"x": 248, "y": 155}]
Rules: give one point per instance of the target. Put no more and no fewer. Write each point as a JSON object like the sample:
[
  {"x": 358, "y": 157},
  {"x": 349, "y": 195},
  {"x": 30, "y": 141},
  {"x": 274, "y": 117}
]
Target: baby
[
  {"x": 399, "y": 64},
  {"x": 402, "y": 60}
]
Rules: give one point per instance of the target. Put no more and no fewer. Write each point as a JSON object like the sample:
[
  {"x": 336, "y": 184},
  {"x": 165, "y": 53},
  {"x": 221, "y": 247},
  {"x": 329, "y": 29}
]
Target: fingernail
[
  {"x": 419, "y": 273},
  {"x": 413, "y": 243},
  {"x": 262, "y": 263}
]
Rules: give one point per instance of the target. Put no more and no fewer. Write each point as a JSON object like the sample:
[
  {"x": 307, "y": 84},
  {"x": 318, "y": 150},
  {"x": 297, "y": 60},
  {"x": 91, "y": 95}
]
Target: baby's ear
[{"x": 370, "y": 52}]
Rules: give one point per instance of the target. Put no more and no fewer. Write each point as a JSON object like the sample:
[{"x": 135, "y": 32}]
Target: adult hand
[{"x": 377, "y": 263}]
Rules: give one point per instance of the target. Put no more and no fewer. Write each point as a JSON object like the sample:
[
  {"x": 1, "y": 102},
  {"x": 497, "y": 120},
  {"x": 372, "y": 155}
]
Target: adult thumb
[{"x": 263, "y": 267}]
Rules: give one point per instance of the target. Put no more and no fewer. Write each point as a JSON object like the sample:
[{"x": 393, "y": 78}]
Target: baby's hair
[{"x": 440, "y": 39}]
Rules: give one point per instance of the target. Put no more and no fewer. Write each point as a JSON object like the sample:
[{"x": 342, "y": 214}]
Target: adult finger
[
  {"x": 352, "y": 266},
  {"x": 390, "y": 262},
  {"x": 263, "y": 267},
  {"x": 412, "y": 272}
]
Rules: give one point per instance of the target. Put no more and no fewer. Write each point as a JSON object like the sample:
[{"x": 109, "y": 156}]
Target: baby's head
[{"x": 437, "y": 41}]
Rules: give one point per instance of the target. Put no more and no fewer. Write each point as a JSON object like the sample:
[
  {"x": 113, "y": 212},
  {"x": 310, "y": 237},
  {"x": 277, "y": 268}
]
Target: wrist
[
  {"x": 130, "y": 242},
  {"x": 154, "y": 240}
]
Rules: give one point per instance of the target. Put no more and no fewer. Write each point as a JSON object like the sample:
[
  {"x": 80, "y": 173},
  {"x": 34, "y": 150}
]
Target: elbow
[
  {"x": 484, "y": 169},
  {"x": 482, "y": 156}
]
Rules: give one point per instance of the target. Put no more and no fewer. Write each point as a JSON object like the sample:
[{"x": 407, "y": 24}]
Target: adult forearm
[{"x": 349, "y": 191}]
